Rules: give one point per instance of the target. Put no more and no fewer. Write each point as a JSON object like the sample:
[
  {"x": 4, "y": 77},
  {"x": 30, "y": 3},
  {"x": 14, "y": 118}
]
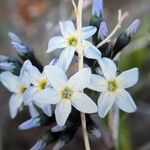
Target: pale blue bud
[
  {"x": 3, "y": 58},
  {"x": 7, "y": 66},
  {"x": 14, "y": 37},
  {"x": 133, "y": 27},
  {"x": 31, "y": 123},
  {"x": 97, "y": 9},
  {"x": 103, "y": 31},
  {"x": 40, "y": 145}
]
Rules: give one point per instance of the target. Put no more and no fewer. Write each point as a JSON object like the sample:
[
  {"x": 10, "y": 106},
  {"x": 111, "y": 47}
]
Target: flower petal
[
  {"x": 45, "y": 107},
  {"x": 56, "y": 42},
  {"x": 128, "y": 78},
  {"x": 67, "y": 28},
  {"x": 98, "y": 83},
  {"x": 57, "y": 128},
  {"x": 29, "y": 94},
  {"x": 46, "y": 96},
  {"x": 33, "y": 111},
  {"x": 56, "y": 76},
  {"x": 88, "y": 31},
  {"x": 62, "y": 112},
  {"x": 80, "y": 80},
  {"x": 65, "y": 58},
  {"x": 125, "y": 102},
  {"x": 10, "y": 81},
  {"x": 14, "y": 103},
  {"x": 34, "y": 73},
  {"x": 105, "y": 102},
  {"x": 109, "y": 68},
  {"x": 90, "y": 51},
  {"x": 83, "y": 103}
]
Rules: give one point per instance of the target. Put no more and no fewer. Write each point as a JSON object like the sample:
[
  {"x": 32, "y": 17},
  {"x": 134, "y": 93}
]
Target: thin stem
[
  {"x": 117, "y": 27},
  {"x": 114, "y": 126},
  {"x": 80, "y": 65}
]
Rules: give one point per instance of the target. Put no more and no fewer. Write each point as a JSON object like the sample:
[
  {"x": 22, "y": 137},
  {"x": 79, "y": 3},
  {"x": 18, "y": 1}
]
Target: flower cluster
[{"x": 51, "y": 95}]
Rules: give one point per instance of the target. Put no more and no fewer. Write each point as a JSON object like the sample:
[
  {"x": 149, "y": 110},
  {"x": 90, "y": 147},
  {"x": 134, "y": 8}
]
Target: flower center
[
  {"x": 66, "y": 93},
  {"x": 42, "y": 84},
  {"x": 22, "y": 89},
  {"x": 112, "y": 86},
  {"x": 72, "y": 41}
]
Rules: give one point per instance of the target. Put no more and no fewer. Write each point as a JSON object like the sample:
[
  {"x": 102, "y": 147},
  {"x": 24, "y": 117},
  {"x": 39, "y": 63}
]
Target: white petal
[
  {"x": 29, "y": 94},
  {"x": 98, "y": 83},
  {"x": 62, "y": 112},
  {"x": 10, "y": 81},
  {"x": 56, "y": 76},
  {"x": 105, "y": 102},
  {"x": 46, "y": 96},
  {"x": 45, "y": 107},
  {"x": 33, "y": 111},
  {"x": 109, "y": 68},
  {"x": 34, "y": 74},
  {"x": 88, "y": 31},
  {"x": 128, "y": 78},
  {"x": 91, "y": 52},
  {"x": 14, "y": 104},
  {"x": 125, "y": 102},
  {"x": 56, "y": 42},
  {"x": 84, "y": 103},
  {"x": 65, "y": 58},
  {"x": 80, "y": 80},
  {"x": 67, "y": 28}
]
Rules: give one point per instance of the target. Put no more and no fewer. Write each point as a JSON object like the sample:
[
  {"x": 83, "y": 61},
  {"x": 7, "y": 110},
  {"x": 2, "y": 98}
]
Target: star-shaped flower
[
  {"x": 17, "y": 85},
  {"x": 112, "y": 87},
  {"x": 69, "y": 92},
  {"x": 40, "y": 89},
  {"x": 69, "y": 40}
]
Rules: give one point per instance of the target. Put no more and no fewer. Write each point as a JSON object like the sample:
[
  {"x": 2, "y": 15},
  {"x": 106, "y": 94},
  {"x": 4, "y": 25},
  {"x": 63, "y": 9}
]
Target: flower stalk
[
  {"x": 78, "y": 11},
  {"x": 114, "y": 126}
]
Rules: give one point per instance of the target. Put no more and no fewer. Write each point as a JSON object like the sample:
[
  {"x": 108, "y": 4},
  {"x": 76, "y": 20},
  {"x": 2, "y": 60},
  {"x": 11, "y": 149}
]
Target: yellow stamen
[
  {"x": 42, "y": 84},
  {"x": 22, "y": 89},
  {"x": 66, "y": 93},
  {"x": 72, "y": 41},
  {"x": 112, "y": 86}
]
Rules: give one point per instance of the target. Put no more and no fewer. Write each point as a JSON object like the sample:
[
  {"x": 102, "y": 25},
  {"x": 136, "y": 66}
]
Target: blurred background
[{"x": 35, "y": 21}]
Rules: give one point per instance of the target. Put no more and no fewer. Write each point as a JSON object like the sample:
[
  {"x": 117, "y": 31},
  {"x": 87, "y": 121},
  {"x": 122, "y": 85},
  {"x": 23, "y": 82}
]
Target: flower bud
[
  {"x": 97, "y": 9},
  {"x": 14, "y": 37},
  {"x": 39, "y": 145},
  {"x": 7, "y": 66},
  {"x": 133, "y": 27},
  {"x": 103, "y": 31},
  {"x": 60, "y": 144},
  {"x": 41, "y": 120},
  {"x": 57, "y": 128}
]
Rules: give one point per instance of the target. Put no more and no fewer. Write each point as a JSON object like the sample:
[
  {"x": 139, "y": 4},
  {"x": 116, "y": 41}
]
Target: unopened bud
[
  {"x": 133, "y": 27},
  {"x": 97, "y": 9},
  {"x": 60, "y": 144},
  {"x": 7, "y": 66},
  {"x": 40, "y": 145},
  {"x": 103, "y": 31}
]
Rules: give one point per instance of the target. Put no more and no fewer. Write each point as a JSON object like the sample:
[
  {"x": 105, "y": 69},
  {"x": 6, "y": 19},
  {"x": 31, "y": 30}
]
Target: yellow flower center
[
  {"x": 22, "y": 89},
  {"x": 66, "y": 93},
  {"x": 112, "y": 86},
  {"x": 42, "y": 84},
  {"x": 72, "y": 41}
]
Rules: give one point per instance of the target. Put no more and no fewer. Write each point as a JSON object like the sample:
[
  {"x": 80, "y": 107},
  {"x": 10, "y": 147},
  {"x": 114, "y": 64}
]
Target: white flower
[
  {"x": 69, "y": 92},
  {"x": 17, "y": 85},
  {"x": 69, "y": 40},
  {"x": 40, "y": 89},
  {"x": 112, "y": 87}
]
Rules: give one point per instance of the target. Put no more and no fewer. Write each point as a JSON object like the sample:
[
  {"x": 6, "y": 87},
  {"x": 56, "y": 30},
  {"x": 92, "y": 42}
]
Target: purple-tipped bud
[
  {"x": 3, "y": 58},
  {"x": 57, "y": 128},
  {"x": 40, "y": 145},
  {"x": 97, "y": 9},
  {"x": 103, "y": 31},
  {"x": 7, "y": 66},
  {"x": 133, "y": 27},
  {"x": 20, "y": 48},
  {"x": 31, "y": 123},
  {"x": 14, "y": 37},
  {"x": 59, "y": 145}
]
